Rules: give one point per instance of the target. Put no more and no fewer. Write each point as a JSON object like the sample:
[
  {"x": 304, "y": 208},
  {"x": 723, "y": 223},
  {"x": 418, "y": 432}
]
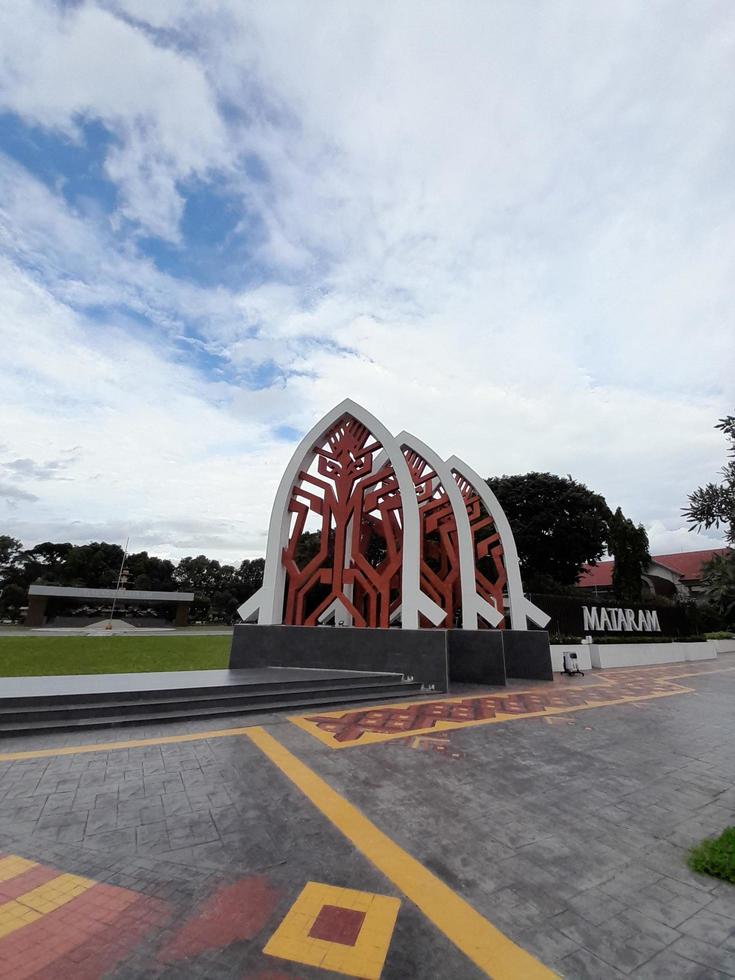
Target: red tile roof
[
  {"x": 687, "y": 564},
  {"x": 596, "y": 575}
]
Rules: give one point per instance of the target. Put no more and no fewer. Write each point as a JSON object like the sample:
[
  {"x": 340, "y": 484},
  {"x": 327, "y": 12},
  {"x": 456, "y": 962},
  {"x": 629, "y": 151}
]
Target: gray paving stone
[
  {"x": 669, "y": 906},
  {"x": 617, "y": 941},
  {"x": 669, "y": 965},
  {"x": 712, "y": 957},
  {"x": 709, "y": 926},
  {"x": 583, "y": 965},
  {"x": 595, "y": 905}
]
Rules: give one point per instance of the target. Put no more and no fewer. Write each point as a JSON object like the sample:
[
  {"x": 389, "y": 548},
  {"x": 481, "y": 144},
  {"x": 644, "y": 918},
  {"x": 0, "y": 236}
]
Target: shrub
[
  {"x": 721, "y": 635},
  {"x": 715, "y": 857}
]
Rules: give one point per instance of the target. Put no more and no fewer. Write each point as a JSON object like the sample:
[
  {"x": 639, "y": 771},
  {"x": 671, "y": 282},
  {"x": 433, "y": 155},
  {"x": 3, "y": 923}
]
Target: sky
[{"x": 507, "y": 227}]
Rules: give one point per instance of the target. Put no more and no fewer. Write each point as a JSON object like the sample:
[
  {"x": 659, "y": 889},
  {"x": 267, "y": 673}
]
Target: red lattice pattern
[
  {"x": 490, "y": 576},
  {"x": 439, "y": 556},
  {"x": 358, "y": 560}
]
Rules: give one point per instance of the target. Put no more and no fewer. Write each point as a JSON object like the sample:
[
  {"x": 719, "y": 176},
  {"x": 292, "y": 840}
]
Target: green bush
[
  {"x": 721, "y": 635},
  {"x": 559, "y": 638},
  {"x": 715, "y": 857}
]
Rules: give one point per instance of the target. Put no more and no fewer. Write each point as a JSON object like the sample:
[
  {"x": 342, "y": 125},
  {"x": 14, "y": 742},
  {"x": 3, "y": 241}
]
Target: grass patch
[
  {"x": 715, "y": 857},
  {"x": 39, "y": 655}
]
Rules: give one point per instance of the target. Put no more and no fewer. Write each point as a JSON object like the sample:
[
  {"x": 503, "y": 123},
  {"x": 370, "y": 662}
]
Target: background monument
[{"x": 398, "y": 537}]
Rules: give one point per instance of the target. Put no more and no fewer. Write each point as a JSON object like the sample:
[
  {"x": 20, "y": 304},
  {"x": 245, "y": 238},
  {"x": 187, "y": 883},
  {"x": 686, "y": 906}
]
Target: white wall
[
  {"x": 637, "y": 654},
  {"x": 698, "y": 651}
]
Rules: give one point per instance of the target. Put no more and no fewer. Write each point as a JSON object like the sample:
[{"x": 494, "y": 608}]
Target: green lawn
[
  {"x": 37, "y": 655},
  {"x": 716, "y": 857}
]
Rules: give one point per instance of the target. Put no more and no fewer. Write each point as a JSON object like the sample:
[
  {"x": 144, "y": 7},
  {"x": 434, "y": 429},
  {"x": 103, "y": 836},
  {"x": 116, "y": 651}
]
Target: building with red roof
[{"x": 674, "y": 576}]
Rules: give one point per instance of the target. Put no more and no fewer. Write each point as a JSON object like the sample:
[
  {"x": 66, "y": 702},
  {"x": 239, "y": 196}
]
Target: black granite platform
[
  {"x": 431, "y": 656},
  {"x": 92, "y": 700},
  {"x": 420, "y": 654}
]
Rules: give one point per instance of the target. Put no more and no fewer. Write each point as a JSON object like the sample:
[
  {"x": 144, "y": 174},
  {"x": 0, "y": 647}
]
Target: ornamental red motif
[
  {"x": 490, "y": 574},
  {"x": 350, "y": 566},
  {"x": 357, "y": 560}
]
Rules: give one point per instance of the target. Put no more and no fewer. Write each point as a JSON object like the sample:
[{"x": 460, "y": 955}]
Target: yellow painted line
[
  {"x": 691, "y": 673},
  {"x": 133, "y": 743},
  {"x": 12, "y": 866},
  {"x": 487, "y": 947},
  {"x": 442, "y": 725},
  {"x": 38, "y": 902}
]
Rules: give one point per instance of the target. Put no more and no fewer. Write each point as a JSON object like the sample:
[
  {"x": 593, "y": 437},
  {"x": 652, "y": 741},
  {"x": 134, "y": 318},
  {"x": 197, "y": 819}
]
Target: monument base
[
  {"x": 431, "y": 657},
  {"x": 476, "y": 656},
  {"x": 418, "y": 654},
  {"x": 527, "y": 654}
]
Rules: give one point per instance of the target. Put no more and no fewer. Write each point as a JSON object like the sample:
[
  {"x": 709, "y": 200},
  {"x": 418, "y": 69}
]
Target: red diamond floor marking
[{"x": 337, "y": 925}]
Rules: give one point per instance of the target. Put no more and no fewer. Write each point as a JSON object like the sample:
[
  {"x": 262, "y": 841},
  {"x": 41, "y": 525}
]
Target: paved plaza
[{"x": 535, "y": 830}]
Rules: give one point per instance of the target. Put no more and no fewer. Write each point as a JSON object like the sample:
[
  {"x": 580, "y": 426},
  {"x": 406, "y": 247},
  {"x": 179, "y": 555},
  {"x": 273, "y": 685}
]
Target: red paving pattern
[
  {"x": 350, "y": 727},
  {"x": 83, "y": 939},
  {"x": 337, "y": 925},
  {"x": 92, "y": 933},
  {"x": 233, "y": 912},
  {"x": 14, "y": 887}
]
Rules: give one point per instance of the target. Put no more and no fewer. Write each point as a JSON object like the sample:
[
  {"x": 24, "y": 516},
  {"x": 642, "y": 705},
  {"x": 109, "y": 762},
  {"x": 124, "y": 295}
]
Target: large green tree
[
  {"x": 713, "y": 505},
  {"x": 11, "y": 554},
  {"x": 558, "y": 525},
  {"x": 628, "y": 544},
  {"x": 718, "y": 579},
  {"x": 12, "y": 591}
]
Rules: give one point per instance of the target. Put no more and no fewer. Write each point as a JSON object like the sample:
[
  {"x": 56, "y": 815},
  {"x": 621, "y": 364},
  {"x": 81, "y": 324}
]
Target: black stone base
[
  {"x": 527, "y": 654},
  {"x": 419, "y": 654},
  {"x": 476, "y": 656},
  {"x": 432, "y": 657}
]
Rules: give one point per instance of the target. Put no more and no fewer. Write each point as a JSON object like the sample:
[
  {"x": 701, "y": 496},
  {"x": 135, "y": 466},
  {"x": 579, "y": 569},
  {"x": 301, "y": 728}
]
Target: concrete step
[
  {"x": 110, "y": 716},
  {"x": 164, "y": 703}
]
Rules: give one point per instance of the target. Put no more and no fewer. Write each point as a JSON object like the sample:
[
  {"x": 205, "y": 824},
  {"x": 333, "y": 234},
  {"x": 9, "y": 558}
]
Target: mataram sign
[
  {"x": 403, "y": 537},
  {"x": 599, "y": 619}
]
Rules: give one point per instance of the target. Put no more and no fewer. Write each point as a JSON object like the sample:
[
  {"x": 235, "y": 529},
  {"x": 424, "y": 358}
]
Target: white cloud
[
  {"x": 66, "y": 65},
  {"x": 510, "y": 231}
]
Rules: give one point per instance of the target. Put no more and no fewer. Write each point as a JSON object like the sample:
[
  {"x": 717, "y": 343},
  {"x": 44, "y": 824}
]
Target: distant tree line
[{"x": 219, "y": 589}]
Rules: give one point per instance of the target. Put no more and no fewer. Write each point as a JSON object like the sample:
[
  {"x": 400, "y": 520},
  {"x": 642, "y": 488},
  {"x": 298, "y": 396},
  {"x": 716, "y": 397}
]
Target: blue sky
[{"x": 507, "y": 228}]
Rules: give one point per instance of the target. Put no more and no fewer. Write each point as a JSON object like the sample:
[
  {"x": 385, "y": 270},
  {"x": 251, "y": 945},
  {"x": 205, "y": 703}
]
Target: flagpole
[{"x": 119, "y": 580}]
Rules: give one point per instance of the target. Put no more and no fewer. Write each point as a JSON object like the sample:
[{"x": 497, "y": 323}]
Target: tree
[
  {"x": 12, "y": 598},
  {"x": 94, "y": 566},
  {"x": 718, "y": 579},
  {"x": 713, "y": 505},
  {"x": 628, "y": 544},
  {"x": 46, "y": 562},
  {"x": 558, "y": 526},
  {"x": 200, "y": 575},
  {"x": 149, "y": 573},
  {"x": 12, "y": 586},
  {"x": 249, "y": 578},
  {"x": 11, "y": 552}
]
